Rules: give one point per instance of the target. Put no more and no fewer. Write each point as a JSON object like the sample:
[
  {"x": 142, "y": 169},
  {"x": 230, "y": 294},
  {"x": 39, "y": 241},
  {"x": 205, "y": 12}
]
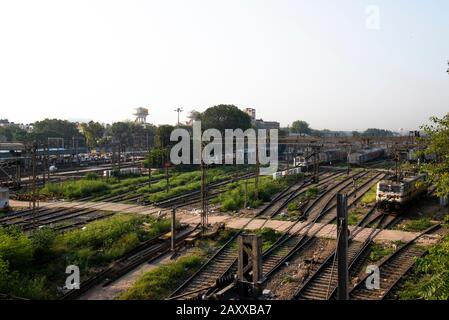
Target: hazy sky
[{"x": 314, "y": 60}]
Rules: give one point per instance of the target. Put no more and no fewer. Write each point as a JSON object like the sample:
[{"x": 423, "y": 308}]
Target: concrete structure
[{"x": 141, "y": 115}]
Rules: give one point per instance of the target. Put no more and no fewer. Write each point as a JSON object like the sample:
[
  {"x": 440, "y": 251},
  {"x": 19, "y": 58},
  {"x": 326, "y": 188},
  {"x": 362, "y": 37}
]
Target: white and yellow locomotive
[{"x": 394, "y": 193}]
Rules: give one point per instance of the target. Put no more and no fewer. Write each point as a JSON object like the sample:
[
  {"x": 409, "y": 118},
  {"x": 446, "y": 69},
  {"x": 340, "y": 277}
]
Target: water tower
[{"x": 141, "y": 115}]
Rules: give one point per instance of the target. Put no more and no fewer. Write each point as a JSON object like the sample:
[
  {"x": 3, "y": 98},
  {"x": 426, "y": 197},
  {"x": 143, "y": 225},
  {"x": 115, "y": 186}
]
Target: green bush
[
  {"x": 311, "y": 193},
  {"x": 92, "y": 176},
  {"x": 75, "y": 189},
  {"x": 430, "y": 279},
  {"x": 293, "y": 206},
  {"x": 19, "y": 285},
  {"x": 99, "y": 233},
  {"x": 42, "y": 242},
  {"x": 160, "y": 282},
  {"x": 16, "y": 248}
]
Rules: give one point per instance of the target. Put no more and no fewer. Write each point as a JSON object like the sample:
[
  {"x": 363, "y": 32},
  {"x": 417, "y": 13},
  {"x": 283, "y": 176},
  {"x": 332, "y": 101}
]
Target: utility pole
[
  {"x": 173, "y": 228},
  {"x": 256, "y": 182},
  {"x": 119, "y": 165},
  {"x": 149, "y": 172},
  {"x": 397, "y": 160},
  {"x": 179, "y": 110},
  {"x": 316, "y": 168},
  {"x": 348, "y": 162},
  {"x": 342, "y": 246},
  {"x": 204, "y": 204},
  {"x": 18, "y": 172},
  {"x": 246, "y": 194},
  {"x": 167, "y": 177},
  {"x": 33, "y": 183}
]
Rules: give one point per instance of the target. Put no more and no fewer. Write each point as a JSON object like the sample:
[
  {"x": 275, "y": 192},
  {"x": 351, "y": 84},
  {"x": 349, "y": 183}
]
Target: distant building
[
  {"x": 252, "y": 113},
  {"x": 260, "y": 123},
  {"x": 268, "y": 125},
  {"x": 4, "y": 123}
]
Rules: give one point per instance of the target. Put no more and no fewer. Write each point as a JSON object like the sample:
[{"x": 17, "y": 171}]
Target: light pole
[{"x": 178, "y": 110}]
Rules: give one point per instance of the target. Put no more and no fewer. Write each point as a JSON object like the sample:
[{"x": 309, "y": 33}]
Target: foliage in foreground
[
  {"x": 430, "y": 278},
  {"x": 437, "y": 143},
  {"x": 34, "y": 266}
]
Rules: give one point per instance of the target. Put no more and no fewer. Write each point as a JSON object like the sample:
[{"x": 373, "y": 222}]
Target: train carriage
[
  {"x": 367, "y": 155},
  {"x": 325, "y": 157},
  {"x": 392, "y": 194}
]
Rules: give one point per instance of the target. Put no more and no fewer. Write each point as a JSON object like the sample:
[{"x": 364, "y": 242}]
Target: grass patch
[
  {"x": 417, "y": 225},
  {"x": 74, "y": 189},
  {"x": 160, "y": 282},
  {"x": 354, "y": 217},
  {"x": 234, "y": 198},
  {"x": 269, "y": 237},
  {"x": 163, "y": 280},
  {"x": 370, "y": 196},
  {"x": 379, "y": 251}
]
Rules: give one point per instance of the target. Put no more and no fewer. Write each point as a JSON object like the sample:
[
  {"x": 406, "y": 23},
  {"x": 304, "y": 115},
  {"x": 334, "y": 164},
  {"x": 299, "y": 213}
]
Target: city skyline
[{"x": 329, "y": 64}]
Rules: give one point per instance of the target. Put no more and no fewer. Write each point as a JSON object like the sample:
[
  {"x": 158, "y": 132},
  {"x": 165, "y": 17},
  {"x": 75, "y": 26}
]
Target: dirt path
[{"x": 193, "y": 218}]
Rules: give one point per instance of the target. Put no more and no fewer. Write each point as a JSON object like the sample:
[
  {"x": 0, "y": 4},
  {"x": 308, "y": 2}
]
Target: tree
[
  {"x": 122, "y": 132},
  {"x": 437, "y": 140},
  {"x": 13, "y": 133},
  {"x": 156, "y": 158},
  {"x": 194, "y": 115},
  {"x": 93, "y": 132},
  {"x": 373, "y": 132},
  {"x": 54, "y": 128},
  {"x": 300, "y": 127},
  {"x": 162, "y": 139},
  {"x": 225, "y": 116}
]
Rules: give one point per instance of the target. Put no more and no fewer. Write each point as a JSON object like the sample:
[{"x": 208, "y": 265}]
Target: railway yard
[
  {"x": 224, "y": 159},
  {"x": 121, "y": 235}
]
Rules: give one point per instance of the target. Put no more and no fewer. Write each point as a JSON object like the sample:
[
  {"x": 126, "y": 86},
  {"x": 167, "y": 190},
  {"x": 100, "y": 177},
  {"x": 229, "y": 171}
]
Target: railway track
[
  {"x": 221, "y": 267},
  {"x": 292, "y": 193},
  {"x": 146, "y": 252},
  {"x": 213, "y": 270},
  {"x": 392, "y": 269},
  {"x": 322, "y": 283},
  {"x": 53, "y": 217},
  {"x": 285, "y": 248}
]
